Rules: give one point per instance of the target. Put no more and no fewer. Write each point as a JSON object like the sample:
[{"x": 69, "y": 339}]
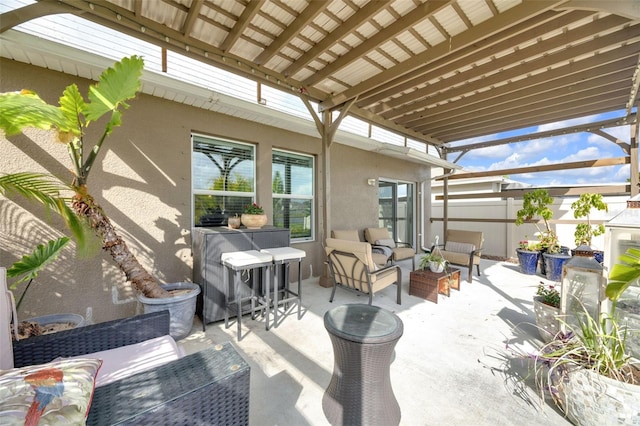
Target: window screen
[{"x": 223, "y": 179}]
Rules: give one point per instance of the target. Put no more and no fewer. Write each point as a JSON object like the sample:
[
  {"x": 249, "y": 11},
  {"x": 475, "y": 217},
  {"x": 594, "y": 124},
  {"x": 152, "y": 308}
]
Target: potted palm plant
[{"x": 68, "y": 121}]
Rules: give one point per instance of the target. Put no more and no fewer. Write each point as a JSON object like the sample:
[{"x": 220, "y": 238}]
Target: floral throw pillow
[{"x": 58, "y": 392}]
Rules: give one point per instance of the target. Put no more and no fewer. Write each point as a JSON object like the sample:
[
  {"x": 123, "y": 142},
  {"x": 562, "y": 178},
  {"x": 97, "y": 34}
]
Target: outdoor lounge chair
[
  {"x": 351, "y": 267},
  {"x": 206, "y": 387},
  {"x": 381, "y": 255},
  {"x": 463, "y": 248},
  {"x": 400, "y": 250}
]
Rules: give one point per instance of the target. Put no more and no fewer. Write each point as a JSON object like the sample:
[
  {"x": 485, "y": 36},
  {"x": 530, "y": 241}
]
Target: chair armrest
[
  {"x": 210, "y": 387},
  {"x": 385, "y": 269},
  {"x": 90, "y": 338},
  {"x": 403, "y": 244}
]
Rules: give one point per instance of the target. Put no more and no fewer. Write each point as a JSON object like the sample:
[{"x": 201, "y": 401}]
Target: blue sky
[{"x": 554, "y": 150}]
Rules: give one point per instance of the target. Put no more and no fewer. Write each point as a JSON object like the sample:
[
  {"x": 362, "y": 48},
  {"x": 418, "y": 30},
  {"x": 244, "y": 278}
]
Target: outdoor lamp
[{"x": 583, "y": 286}]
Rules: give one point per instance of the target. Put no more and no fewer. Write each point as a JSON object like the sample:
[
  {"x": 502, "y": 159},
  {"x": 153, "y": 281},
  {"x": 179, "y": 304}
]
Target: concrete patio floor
[{"x": 450, "y": 366}]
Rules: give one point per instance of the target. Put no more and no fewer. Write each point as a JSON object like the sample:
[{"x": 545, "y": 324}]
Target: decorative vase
[
  {"x": 181, "y": 307},
  {"x": 254, "y": 221},
  {"x": 591, "y": 399},
  {"x": 554, "y": 263},
  {"x": 546, "y": 319},
  {"x": 528, "y": 261},
  {"x": 234, "y": 222}
]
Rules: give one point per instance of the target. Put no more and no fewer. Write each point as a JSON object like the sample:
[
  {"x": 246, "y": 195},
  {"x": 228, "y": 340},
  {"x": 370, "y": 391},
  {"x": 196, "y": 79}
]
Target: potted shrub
[
  {"x": 67, "y": 122},
  {"x": 528, "y": 253},
  {"x": 585, "y": 232},
  {"x": 434, "y": 261},
  {"x": 535, "y": 207},
  {"x": 588, "y": 369}
]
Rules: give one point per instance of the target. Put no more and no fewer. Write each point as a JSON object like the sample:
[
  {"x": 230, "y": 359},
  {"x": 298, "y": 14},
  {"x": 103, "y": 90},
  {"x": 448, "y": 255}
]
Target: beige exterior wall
[{"x": 143, "y": 182}]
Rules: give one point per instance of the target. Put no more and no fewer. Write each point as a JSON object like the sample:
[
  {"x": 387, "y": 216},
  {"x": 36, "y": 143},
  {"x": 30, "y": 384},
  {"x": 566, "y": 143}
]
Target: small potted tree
[
  {"x": 585, "y": 232},
  {"x": 535, "y": 207}
]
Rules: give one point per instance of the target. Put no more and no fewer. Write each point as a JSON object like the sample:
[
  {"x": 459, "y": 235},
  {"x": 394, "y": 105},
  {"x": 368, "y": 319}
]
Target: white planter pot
[
  {"x": 590, "y": 399},
  {"x": 181, "y": 308},
  {"x": 436, "y": 267},
  {"x": 546, "y": 319},
  {"x": 74, "y": 320}
]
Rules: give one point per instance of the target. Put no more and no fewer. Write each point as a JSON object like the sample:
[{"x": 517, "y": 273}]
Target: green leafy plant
[
  {"x": 535, "y": 207},
  {"x": 432, "y": 257},
  {"x": 68, "y": 122},
  {"x": 549, "y": 295},
  {"x": 30, "y": 265},
  {"x": 582, "y": 207},
  {"x": 599, "y": 345},
  {"x": 253, "y": 209}
]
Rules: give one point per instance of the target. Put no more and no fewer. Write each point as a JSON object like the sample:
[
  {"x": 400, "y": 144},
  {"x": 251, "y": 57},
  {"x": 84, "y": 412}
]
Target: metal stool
[
  {"x": 236, "y": 263},
  {"x": 282, "y": 258}
]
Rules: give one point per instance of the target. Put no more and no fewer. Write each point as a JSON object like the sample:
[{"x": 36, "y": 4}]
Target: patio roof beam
[
  {"x": 604, "y": 162},
  {"x": 292, "y": 30},
  {"x": 27, "y": 13},
  {"x": 422, "y": 12},
  {"x": 362, "y": 15},
  {"x": 535, "y": 86},
  {"x": 250, "y": 10},
  {"x": 486, "y": 29},
  {"x": 554, "y": 192}
]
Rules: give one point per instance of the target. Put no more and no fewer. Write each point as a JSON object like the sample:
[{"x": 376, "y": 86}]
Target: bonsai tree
[
  {"x": 535, "y": 206},
  {"x": 582, "y": 208},
  {"x": 68, "y": 122}
]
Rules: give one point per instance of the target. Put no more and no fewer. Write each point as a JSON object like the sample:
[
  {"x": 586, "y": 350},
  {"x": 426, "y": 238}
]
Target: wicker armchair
[{"x": 207, "y": 387}]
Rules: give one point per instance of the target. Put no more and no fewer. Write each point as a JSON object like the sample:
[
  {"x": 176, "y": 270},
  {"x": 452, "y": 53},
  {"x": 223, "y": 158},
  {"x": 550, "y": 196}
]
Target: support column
[{"x": 633, "y": 158}]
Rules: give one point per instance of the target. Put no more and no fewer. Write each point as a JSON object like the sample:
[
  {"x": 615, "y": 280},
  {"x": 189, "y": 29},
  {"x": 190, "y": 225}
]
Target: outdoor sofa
[{"x": 210, "y": 387}]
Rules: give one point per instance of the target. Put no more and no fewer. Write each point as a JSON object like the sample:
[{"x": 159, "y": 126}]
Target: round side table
[{"x": 363, "y": 339}]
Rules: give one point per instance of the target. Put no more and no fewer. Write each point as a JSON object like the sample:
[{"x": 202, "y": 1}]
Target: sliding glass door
[{"x": 396, "y": 209}]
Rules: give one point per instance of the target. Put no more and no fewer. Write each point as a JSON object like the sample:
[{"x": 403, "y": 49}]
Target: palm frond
[{"x": 47, "y": 190}]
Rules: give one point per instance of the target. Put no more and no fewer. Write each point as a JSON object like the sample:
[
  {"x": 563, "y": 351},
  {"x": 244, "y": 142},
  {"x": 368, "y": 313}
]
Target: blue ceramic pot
[
  {"x": 554, "y": 263},
  {"x": 528, "y": 261}
]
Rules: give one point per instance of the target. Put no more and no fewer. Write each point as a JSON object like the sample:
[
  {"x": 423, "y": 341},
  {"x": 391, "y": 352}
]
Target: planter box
[
  {"x": 546, "y": 319},
  {"x": 427, "y": 284}
]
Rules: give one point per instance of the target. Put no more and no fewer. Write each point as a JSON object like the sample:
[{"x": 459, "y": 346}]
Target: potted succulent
[
  {"x": 253, "y": 216},
  {"x": 585, "y": 232},
  {"x": 434, "y": 261},
  {"x": 587, "y": 369},
  {"x": 68, "y": 121},
  {"x": 528, "y": 253}
]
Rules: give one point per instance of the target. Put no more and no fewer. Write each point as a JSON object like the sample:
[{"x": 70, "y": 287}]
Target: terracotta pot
[{"x": 254, "y": 221}]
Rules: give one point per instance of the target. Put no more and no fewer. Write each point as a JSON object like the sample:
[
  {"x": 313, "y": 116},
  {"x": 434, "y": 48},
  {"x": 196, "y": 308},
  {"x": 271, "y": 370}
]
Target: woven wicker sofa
[{"x": 209, "y": 387}]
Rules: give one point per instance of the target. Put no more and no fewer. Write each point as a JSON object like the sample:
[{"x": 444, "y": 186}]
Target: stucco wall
[{"x": 143, "y": 182}]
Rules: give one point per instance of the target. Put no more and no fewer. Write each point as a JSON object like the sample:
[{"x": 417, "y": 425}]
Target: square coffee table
[{"x": 427, "y": 285}]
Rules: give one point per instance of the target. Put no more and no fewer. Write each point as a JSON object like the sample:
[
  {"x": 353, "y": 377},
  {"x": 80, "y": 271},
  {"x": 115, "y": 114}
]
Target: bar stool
[
  {"x": 282, "y": 258},
  {"x": 237, "y": 263}
]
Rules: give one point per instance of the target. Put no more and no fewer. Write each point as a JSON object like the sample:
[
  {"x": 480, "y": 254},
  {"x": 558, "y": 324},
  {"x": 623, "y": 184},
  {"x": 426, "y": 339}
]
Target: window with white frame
[
  {"x": 223, "y": 179},
  {"x": 293, "y": 188}
]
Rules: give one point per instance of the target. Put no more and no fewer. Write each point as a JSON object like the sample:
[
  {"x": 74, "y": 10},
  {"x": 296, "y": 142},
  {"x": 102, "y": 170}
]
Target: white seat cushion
[
  {"x": 240, "y": 259},
  {"x": 128, "y": 360},
  {"x": 284, "y": 253}
]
